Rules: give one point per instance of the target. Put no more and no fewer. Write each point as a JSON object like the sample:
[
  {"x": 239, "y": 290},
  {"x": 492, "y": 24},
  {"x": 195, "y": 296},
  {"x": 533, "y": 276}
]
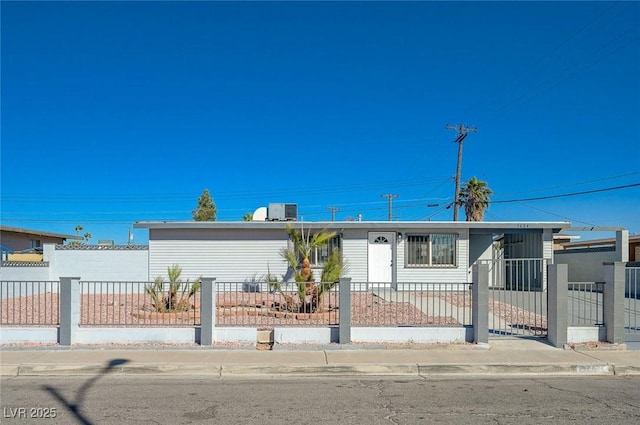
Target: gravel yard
[{"x": 233, "y": 309}]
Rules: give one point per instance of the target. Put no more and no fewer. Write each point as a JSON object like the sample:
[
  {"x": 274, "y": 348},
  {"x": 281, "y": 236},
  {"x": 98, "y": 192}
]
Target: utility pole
[
  {"x": 463, "y": 131},
  {"x": 333, "y": 212},
  {"x": 390, "y": 197}
]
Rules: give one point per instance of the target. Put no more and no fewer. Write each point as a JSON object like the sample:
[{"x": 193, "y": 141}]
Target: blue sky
[{"x": 116, "y": 112}]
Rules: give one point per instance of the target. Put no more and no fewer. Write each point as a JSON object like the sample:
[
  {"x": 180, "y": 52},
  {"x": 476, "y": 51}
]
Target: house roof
[
  {"x": 599, "y": 242},
  {"x": 37, "y": 232},
  {"x": 473, "y": 226}
]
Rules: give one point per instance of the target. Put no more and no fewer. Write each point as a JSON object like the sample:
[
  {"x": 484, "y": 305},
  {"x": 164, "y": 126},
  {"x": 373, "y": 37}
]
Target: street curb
[
  {"x": 9, "y": 370},
  {"x": 337, "y": 370},
  {"x": 99, "y": 369},
  {"x": 626, "y": 370},
  {"x": 511, "y": 369},
  {"x": 321, "y": 370}
]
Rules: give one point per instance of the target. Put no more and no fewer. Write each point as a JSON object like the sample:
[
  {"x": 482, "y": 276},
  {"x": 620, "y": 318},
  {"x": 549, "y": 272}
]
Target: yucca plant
[{"x": 178, "y": 295}]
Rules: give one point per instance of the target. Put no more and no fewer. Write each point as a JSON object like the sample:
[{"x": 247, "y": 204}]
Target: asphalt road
[{"x": 183, "y": 400}]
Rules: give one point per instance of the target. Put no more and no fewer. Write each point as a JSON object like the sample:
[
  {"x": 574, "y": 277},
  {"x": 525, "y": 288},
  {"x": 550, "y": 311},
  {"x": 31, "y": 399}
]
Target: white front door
[{"x": 380, "y": 257}]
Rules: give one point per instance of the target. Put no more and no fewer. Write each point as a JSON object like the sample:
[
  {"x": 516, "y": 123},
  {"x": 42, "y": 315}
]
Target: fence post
[
  {"x": 207, "y": 310},
  {"x": 69, "y": 309},
  {"x": 344, "y": 312},
  {"x": 622, "y": 245},
  {"x": 614, "y": 280},
  {"x": 558, "y": 299},
  {"x": 480, "y": 303}
]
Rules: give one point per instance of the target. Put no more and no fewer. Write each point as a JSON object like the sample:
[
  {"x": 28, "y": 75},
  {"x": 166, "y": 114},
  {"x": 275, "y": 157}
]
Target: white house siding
[
  {"x": 354, "y": 251},
  {"x": 457, "y": 274},
  {"x": 547, "y": 244},
  {"x": 226, "y": 256}
]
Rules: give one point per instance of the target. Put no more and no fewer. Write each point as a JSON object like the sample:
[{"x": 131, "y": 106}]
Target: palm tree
[
  {"x": 298, "y": 258},
  {"x": 474, "y": 197}
]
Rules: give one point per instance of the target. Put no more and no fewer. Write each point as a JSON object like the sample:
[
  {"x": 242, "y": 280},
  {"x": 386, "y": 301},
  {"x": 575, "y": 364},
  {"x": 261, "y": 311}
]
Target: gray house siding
[
  {"x": 481, "y": 248},
  {"x": 585, "y": 265},
  {"x": 227, "y": 256}
]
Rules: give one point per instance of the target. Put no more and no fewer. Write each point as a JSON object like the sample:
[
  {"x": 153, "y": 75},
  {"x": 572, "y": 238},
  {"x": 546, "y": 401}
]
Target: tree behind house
[
  {"x": 206, "y": 208},
  {"x": 474, "y": 197}
]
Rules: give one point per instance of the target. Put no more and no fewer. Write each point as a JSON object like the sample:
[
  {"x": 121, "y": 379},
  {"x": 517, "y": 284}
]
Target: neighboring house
[
  {"x": 605, "y": 244},
  {"x": 381, "y": 252},
  {"x": 585, "y": 258},
  {"x": 17, "y": 239}
]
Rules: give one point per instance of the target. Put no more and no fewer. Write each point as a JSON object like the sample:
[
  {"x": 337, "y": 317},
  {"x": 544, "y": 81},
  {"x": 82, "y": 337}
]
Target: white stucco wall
[
  {"x": 115, "y": 265},
  {"x": 128, "y": 265},
  {"x": 19, "y": 274}
]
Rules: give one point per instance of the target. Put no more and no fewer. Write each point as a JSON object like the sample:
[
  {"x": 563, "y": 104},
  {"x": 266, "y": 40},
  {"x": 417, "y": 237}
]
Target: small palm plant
[
  {"x": 308, "y": 295},
  {"x": 178, "y": 295}
]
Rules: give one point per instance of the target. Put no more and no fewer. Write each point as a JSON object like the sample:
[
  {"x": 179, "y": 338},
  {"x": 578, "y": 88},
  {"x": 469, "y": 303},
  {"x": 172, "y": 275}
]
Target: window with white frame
[
  {"x": 432, "y": 250},
  {"x": 319, "y": 255}
]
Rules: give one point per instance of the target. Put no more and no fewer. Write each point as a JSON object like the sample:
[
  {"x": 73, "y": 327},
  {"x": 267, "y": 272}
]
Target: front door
[{"x": 380, "y": 257}]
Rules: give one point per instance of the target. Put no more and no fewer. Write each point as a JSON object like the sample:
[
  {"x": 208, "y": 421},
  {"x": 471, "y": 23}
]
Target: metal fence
[
  {"x": 517, "y": 313},
  {"x": 32, "y": 303},
  {"x": 519, "y": 274},
  {"x": 411, "y": 304},
  {"x": 263, "y": 305},
  {"x": 517, "y": 296},
  {"x": 585, "y": 304},
  {"x": 143, "y": 304},
  {"x": 632, "y": 302}
]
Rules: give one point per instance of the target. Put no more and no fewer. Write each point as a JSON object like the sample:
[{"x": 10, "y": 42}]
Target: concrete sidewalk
[{"x": 498, "y": 358}]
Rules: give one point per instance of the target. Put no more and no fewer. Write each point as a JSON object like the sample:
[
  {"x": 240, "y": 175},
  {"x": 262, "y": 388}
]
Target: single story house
[
  {"x": 15, "y": 239},
  {"x": 387, "y": 252},
  {"x": 606, "y": 244}
]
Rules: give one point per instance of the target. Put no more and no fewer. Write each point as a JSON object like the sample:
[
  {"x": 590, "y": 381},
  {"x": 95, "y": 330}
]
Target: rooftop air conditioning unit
[{"x": 282, "y": 212}]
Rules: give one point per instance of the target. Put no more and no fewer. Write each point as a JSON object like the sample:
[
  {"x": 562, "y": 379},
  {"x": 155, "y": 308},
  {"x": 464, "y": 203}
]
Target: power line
[
  {"x": 572, "y": 220},
  {"x": 217, "y": 195},
  {"x": 606, "y": 189},
  {"x": 576, "y": 184},
  {"x": 389, "y": 196}
]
